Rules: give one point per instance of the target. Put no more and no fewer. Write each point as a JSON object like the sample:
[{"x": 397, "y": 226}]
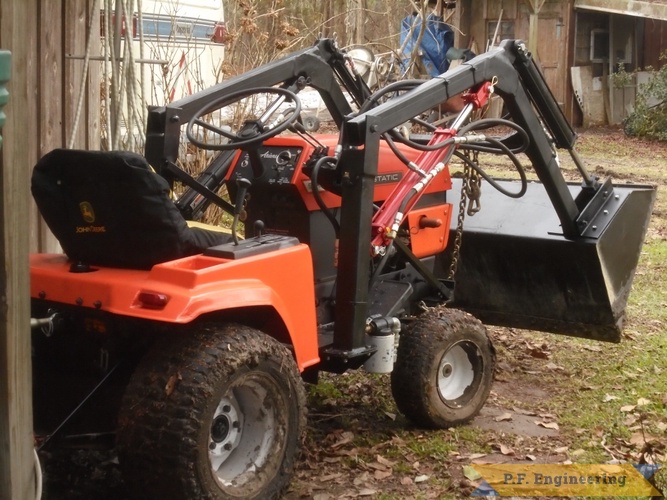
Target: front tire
[
  {"x": 444, "y": 369},
  {"x": 214, "y": 414}
]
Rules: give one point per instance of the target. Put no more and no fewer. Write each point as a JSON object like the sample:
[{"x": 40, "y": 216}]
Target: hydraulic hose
[{"x": 318, "y": 197}]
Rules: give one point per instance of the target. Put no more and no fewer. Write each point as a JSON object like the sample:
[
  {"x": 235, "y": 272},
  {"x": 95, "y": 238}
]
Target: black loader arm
[
  {"x": 560, "y": 259},
  {"x": 527, "y": 97}
]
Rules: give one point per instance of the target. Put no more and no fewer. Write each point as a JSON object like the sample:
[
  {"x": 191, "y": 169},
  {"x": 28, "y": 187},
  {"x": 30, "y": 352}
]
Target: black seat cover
[{"x": 111, "y": 209}]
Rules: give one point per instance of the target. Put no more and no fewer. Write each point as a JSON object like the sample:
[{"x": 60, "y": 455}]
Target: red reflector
[
  {"x": 219, "y": 33},
  {"x": 152, "y": 300}
]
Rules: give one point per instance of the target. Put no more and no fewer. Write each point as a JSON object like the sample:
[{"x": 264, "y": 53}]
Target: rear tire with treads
[{"x": 218, "y": 413}]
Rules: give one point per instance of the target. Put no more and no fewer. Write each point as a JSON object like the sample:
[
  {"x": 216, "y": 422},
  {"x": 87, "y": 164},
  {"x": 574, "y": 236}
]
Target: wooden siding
[
  {"x": 552, "y": 35},
  {"x": 43, "y": 93}
]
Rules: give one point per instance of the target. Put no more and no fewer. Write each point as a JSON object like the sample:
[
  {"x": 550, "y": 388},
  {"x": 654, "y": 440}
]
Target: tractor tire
[
  {"x": 218, "y": 413},
  {"x": 444, "y": 369},
  {"x": 311, "y": 123}
]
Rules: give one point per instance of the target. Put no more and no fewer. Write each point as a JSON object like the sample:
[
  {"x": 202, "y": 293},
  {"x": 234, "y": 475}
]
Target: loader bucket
[{"x": 517, "y": 269}]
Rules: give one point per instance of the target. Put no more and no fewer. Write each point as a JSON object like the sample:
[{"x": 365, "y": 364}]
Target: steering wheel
[{"x": 254, "y": 131}]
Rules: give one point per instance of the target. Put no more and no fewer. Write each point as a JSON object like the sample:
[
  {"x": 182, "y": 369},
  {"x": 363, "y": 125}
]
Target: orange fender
[{"x": 182, "y": 290}]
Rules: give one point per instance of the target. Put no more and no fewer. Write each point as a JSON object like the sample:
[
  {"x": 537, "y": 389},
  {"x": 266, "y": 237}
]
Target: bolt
[
  {"x": 236, "y": 424},
  {"x": 175, "y": 119},
  {"x": 97, "y": 304},
  {"x": 227, "y": 446},
  {"x": 374, "y": 128},
  {"x": 595, "y": 228},
  {"x": 226, "y": 408},
  {"x": 211, "y": 446},
  {"x": 617, "y": 197},
  {"x": 606, "y": 212},
  {"x": 79, "y": 301},
  {"x": 42, "y": 294}
]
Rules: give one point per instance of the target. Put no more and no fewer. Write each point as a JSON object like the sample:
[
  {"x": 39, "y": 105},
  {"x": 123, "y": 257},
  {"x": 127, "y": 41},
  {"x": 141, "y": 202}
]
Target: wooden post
[
  {"x": 19, "y": 148},
  {"x": 17, "y": 464},
  {"x": 535, "y": 6}
]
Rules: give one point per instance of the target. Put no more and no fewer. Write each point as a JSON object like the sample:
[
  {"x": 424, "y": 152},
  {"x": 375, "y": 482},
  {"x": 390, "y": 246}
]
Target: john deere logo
[{"x": 87, "y": 212}]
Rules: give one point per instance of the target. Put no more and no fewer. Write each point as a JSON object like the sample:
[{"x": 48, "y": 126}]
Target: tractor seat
[{"x": 111, "y": 209}]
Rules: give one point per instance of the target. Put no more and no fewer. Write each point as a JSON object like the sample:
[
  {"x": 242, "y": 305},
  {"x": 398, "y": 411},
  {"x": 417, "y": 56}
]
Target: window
[{"x": 599, "y": 45}]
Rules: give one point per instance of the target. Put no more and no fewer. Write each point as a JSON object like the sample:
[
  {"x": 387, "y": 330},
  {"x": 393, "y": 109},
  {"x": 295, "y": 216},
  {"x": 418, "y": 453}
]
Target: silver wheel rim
[
  {"x": 245, "y": 430},
  {"x": 457, "y": 377}
]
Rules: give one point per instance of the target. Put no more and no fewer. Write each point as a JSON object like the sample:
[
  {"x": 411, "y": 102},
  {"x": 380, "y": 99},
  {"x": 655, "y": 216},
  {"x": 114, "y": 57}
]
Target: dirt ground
[{"x": 357, "y": 443}]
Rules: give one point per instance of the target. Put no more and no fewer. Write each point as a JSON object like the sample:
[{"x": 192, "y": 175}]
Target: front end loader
[{"x": 346, "y": 251}]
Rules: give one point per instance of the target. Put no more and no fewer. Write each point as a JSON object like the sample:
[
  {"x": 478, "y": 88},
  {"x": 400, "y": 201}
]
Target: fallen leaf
[
  {"x": 577, "y": 452},
  {"x": 630, "y": 419},
  {"x": 523, "y": 412},
  {"x": 538, "y": 353},
  {"x": 392, "y": 416},
  {"x": 506, "y": 450},
  {"x": 405, "y": 481},
  {"x": 640, "y": 439},
  {"x": 377, "y": 466},
  {"x": 587, "y": 387},
  {"x": 362, "y": 479},
  {"x": 628, "y": 408},
  {"x": 367, "y": 492},
  {"x": 379, "y": 475},
  {"x": 531, "y": 457},
  {"x": 547, "y": 425},
  {"x": 503, "y": 417},
  {"x": 643, "y": 402},
  {"x": 609, "y": 397},
  {"x": 562, "y": 449},
  {"x": 346, "y": 438},
  {"x": 475, "y": 456},
  {"x": 329, "y": 477},
  {"x": 171, "y": 383},
  {"x": 380, "y": 459},
  {"x": 593, "y": 348},
  {"x": 470, "y": 473}
]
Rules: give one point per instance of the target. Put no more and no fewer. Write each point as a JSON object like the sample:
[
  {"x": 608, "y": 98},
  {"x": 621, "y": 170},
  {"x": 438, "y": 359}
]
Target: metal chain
[
  {"x": 470, "y": 196},
  {"x": 473, "y": 185}
]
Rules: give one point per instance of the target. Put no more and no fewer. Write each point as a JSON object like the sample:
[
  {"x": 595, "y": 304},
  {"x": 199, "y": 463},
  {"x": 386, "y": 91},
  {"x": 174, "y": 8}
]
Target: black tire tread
[
  {"x": 411, "y": 377},
  {"x": 158, "y": 422}
]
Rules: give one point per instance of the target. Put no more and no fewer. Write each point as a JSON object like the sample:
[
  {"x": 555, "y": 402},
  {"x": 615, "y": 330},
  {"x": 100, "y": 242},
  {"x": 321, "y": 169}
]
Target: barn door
[{"x": 551, "y": 45}]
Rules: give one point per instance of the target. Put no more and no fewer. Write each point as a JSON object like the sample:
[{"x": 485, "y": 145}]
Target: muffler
[{"x": 517, "y": 269}]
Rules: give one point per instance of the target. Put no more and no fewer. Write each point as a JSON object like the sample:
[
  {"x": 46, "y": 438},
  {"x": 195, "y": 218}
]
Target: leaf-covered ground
[{"x": 554, "y": 400}]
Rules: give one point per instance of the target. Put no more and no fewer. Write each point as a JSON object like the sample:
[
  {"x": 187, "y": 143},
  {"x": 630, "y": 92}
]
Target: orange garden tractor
[{"x": 353, "y": 255}]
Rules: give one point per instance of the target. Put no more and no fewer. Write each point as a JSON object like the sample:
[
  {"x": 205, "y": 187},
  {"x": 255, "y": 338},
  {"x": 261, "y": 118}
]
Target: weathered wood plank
[
  {"x": 51, "y": 126},
  {"x": 74, "y": 21},
  {"x": 17, "y": 472},
  {"x": 94, "y": 80}
]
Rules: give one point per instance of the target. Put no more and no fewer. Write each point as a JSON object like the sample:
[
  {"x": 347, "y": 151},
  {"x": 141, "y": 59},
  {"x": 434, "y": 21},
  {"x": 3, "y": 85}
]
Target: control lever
[
  {"x": 242, "y": 185},
  {"x": 259, "y": 227}
]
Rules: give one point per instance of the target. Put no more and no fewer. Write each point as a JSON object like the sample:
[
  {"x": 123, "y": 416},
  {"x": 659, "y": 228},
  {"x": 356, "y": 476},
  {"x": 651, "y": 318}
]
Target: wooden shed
[
  {"x": 52, "y": 103},
  {"x": 591, "y": 36}
]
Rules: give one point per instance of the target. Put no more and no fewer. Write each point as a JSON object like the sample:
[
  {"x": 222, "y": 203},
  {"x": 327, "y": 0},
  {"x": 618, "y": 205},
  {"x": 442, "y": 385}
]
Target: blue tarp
[{"x": 435, "y": 43}]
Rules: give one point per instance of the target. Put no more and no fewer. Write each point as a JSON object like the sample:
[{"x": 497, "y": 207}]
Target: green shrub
[{"x": 649, "y": 118}]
